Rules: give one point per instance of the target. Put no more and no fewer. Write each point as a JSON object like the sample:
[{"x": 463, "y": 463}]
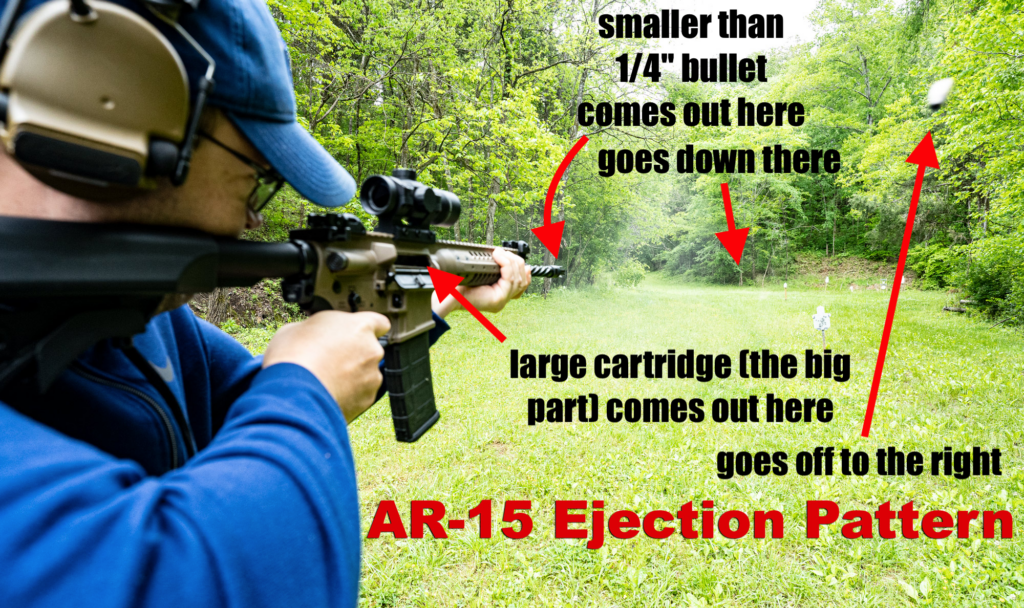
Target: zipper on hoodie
[{"x": 79, "y": 369}]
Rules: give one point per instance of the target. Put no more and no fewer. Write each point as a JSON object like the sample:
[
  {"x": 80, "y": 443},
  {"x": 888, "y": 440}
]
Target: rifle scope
[{"x": 401, "y": 197}]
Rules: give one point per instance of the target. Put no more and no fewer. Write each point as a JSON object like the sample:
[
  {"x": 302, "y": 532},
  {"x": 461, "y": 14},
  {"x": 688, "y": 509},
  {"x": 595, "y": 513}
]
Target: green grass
[{"x": 948, "y": 381}]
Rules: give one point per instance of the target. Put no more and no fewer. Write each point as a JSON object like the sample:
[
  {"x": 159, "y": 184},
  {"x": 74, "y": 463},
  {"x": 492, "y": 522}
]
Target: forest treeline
[{"x": 480, "y": 97}]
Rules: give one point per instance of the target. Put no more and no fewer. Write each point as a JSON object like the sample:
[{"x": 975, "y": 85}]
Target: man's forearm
[{"x": 267, "y": 514}]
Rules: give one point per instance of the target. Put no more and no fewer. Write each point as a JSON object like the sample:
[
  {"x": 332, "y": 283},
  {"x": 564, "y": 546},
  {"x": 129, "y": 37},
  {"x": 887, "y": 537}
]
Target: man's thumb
[{"x": 378, "y": 322}]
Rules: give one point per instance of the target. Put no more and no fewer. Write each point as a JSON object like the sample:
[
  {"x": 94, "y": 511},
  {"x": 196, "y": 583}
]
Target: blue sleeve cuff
[{"x": 440, "y": 326}]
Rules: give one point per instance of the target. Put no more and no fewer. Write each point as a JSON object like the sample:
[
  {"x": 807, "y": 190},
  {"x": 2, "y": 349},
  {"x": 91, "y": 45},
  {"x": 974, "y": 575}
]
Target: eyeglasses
[{"x": 268, "y": 181}]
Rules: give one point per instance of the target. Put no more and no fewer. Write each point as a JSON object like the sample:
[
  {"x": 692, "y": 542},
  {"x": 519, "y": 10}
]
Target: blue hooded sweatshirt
[{"x": 93, "y": 512}]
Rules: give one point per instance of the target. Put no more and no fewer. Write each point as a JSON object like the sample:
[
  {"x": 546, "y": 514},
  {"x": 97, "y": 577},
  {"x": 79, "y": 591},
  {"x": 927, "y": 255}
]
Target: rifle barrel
[{"x": 547, "y": 271}]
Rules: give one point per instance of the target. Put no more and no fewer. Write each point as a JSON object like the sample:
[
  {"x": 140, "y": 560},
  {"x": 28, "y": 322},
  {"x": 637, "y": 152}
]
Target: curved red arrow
[
  {"x": 923, "y": 156},
  {"x": 550, "y": 235},
  {"x": 733, "y": 240},
  {"x": 445, "y": 284}
]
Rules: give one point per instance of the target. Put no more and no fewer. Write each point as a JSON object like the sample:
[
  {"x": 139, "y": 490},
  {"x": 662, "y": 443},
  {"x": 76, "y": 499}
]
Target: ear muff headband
[{"x": 97, "y": 102}]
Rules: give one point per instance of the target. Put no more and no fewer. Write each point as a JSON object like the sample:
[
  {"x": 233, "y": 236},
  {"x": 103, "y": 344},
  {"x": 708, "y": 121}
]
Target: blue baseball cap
[{"x": 253, "y": 86}]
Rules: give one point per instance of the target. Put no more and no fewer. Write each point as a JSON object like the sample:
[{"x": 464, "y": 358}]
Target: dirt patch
[
  {"x": 500, "y": 448},
  {"x": 844, "y": 271},
  {"x": 251, "y": 306}
]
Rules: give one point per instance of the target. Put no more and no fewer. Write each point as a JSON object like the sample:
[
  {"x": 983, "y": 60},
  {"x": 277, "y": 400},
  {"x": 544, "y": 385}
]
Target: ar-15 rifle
[{"x": 66, "y": 286}]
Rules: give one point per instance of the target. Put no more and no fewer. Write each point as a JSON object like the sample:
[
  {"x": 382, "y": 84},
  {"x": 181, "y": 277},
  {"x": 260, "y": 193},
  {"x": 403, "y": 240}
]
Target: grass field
[{"x": 949, "y": 381}]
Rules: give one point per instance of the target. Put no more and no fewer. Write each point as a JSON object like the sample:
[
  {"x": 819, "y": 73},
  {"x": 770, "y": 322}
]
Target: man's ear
[{"x": 130, "y": 109}]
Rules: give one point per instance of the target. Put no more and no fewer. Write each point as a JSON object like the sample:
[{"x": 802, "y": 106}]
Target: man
[{"x": 98, "y": 505}]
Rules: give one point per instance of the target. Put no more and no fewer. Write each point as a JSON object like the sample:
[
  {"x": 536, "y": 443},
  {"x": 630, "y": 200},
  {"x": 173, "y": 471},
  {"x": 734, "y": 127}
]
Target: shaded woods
[{"x": 480, "y": 98}]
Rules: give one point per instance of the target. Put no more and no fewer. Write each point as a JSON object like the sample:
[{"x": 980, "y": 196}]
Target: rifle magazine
[{"x": 411, "y": 389}]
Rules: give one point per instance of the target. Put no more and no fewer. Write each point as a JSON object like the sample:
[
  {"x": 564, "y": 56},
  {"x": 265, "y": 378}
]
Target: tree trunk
[
  {"x": 834, "y": 213},
  {"x": 753, "y": 265},
  {"x": 469, "y": 211},
  {"x": 218, "y": 307},
  {"x": 469, "y": 217},
  {"x": 548, "y": 258},
  {"x": 492, "y": 206},
  {"x": 448, "y": 184},
  {"x": 970, "y": 236},
  {"x": 867, "y": 86}
]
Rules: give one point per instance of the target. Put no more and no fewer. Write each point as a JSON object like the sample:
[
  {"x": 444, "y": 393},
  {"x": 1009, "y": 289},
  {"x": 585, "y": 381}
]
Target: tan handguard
[
  {"x": 375, "y": 271},
  {"x": 387, "y": 271}
]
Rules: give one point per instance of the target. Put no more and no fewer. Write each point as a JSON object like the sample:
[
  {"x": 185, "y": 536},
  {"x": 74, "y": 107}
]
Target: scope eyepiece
[
  {"x": 379, "y": 195},
  {"x": 401, "y": 198}
]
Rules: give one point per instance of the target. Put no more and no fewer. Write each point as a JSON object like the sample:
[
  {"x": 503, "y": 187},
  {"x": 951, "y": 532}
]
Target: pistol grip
[{"x": 408, "y": 381}]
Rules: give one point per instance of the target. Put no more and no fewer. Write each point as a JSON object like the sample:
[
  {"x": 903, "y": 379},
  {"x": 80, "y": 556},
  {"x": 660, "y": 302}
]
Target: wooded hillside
[{"x": 480, "y": 98}]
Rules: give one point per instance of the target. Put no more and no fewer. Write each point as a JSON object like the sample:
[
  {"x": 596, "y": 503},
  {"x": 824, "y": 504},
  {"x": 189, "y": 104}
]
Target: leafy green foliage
[
  {"x": 935, "y": 265},
  {"x": 863, "y": 80},
  {"x": 629, "y": 274},
  {"x": 481, "y": 98},
  {"x": 995, "y": 278},
  {"x": 478, "y": 98}
]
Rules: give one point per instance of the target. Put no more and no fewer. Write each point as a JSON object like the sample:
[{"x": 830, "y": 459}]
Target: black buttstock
[
  {"x": 407, "y": 378},
  {"x": 65, "y": 286}
]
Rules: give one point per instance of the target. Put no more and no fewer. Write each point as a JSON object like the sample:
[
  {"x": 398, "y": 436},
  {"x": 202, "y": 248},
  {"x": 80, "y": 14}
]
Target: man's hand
[
  {"x": 341, "y": 350},
  {"x": 491, "y": 298}
]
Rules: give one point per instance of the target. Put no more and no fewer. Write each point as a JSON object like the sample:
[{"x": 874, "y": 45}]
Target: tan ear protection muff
[{"x": 95, "y": 100}]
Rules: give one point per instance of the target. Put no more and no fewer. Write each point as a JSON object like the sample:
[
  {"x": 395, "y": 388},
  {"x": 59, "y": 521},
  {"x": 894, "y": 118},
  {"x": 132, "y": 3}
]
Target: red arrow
[
  {"x": 550, "y": 235},
  {"x": 733, "y": 240},
  {"x": 922, "y": 156},
  {"x": 445, "y": 284}
]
